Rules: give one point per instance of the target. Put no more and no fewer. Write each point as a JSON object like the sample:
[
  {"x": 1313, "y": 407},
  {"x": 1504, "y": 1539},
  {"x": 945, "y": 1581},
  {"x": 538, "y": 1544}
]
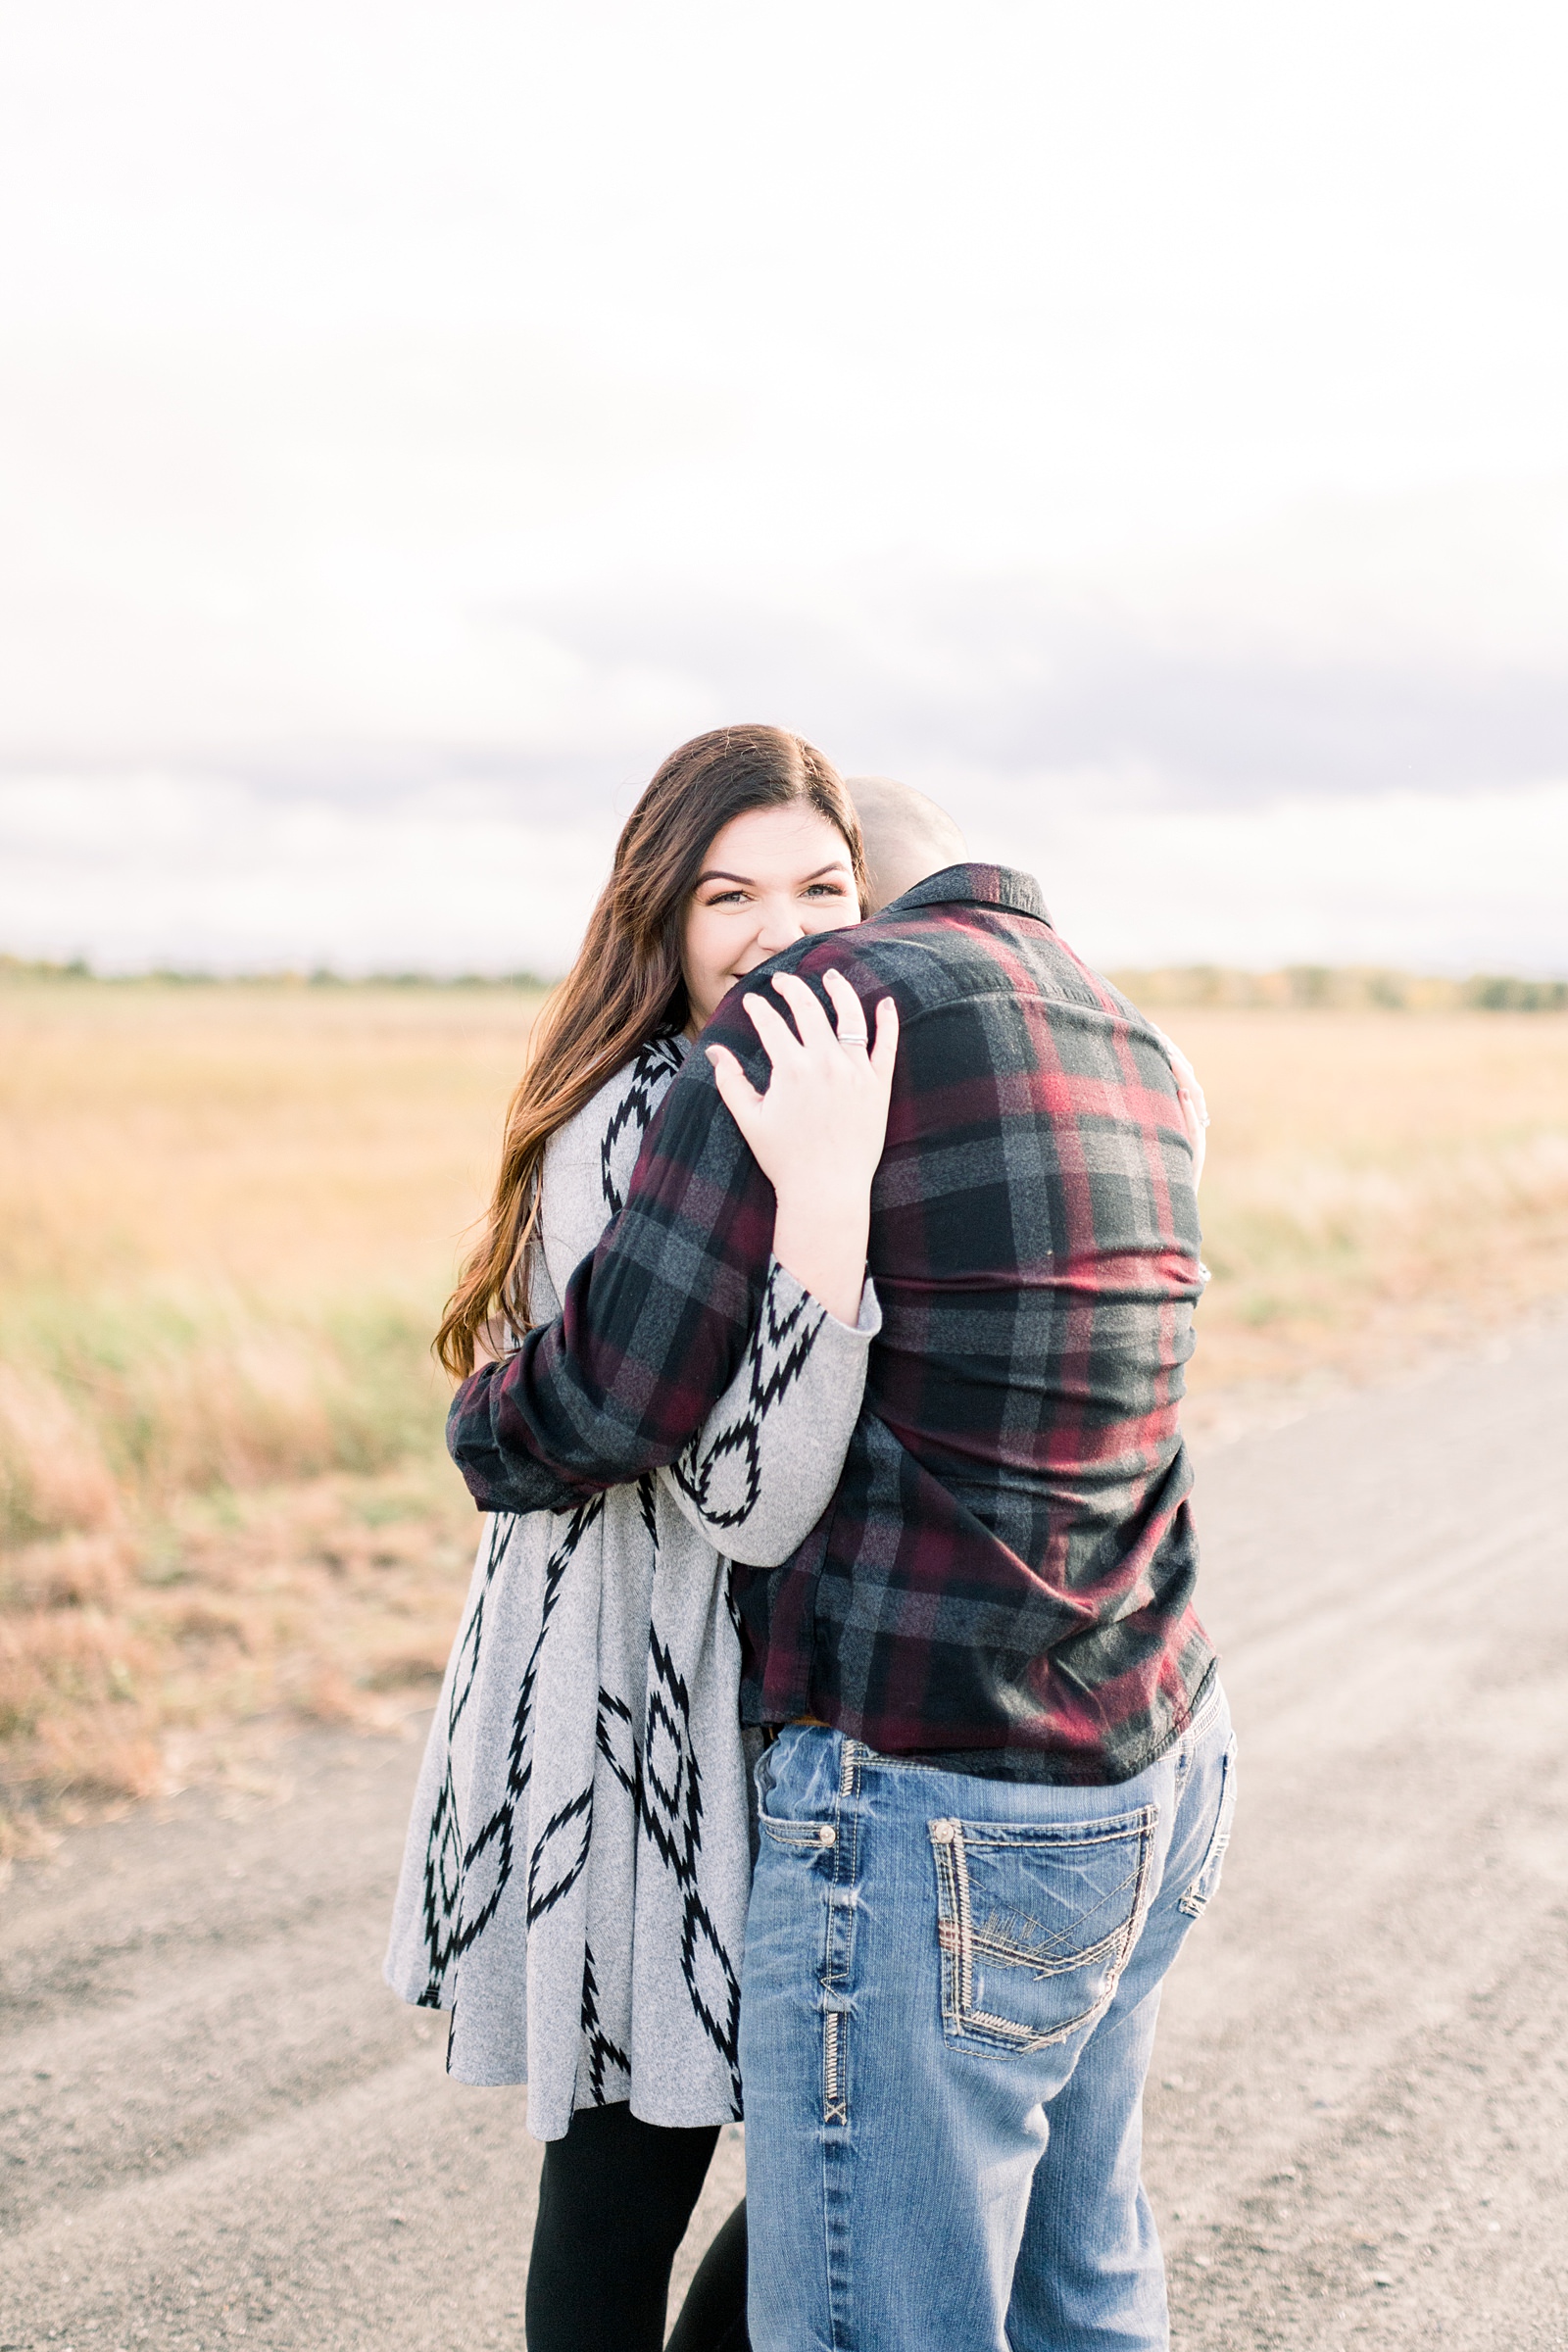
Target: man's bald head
[{"x": 907, "y": 836}]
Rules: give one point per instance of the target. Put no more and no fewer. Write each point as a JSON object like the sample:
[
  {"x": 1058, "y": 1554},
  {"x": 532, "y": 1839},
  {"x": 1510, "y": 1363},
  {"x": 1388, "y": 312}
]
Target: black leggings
[{"x": 614, "y": 2198}]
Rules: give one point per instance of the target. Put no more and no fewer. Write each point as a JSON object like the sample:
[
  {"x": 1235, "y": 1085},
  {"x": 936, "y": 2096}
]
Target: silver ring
[{"x": 853, "y": 1037}]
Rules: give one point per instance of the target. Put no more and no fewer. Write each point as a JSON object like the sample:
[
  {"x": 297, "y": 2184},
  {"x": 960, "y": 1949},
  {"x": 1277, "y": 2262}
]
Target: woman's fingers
[
  {"x": 1195, "y": 1115},
  {"x": 1189, "y": 1092},
  {"x": 812, "y": 1036},
  {"x": 779, "y": 1038},
  {"x": 849, "y": 1011},
  {"x": 849, "y": 1025},
  {"x": 885, "y": 1051},
  {"x": 810, "y": 1019},
  {"x": 735, "y": 1090}
]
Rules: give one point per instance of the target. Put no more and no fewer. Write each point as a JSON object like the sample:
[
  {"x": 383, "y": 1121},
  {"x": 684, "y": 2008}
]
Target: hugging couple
[{"x": 829, "y": 1714}]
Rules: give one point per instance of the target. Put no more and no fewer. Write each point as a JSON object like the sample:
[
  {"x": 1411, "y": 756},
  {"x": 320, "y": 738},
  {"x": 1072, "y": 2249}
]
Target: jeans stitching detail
[
  {"x": 1019, "y": 1956},
  {"x": 1195, "y": 1899},
  {"x": 839, "y": 1943},
  {"x": 1035, "y": 1956},
  {"x": 958, "y": 1940},
  {"x": 1126, "y": 1824},
  {"x": 835, "y": 2105},
  {"x": 949, "y": 1931},
  {"x": 793, "y": 1835},
  {"x": 1206, "y": 1708}
]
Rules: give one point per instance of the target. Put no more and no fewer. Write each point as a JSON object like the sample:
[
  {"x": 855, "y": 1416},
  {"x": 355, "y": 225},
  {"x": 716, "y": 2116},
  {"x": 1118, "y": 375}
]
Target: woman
[{"x": 575, "y": 1878}]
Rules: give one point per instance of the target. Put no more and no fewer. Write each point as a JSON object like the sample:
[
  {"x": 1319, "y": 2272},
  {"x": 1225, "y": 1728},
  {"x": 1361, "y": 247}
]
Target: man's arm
[{"x": 653, "y": 1324}]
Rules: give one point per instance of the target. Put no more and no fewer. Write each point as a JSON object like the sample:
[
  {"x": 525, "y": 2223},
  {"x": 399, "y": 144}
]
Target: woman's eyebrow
[{"x": 834, "y": 866}]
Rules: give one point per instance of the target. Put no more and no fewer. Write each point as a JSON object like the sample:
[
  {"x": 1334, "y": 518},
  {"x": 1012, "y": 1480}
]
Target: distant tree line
[
  {"x": 1314, "y": 987},
  {"x": 1339, "y": 988},
  {"x": 19, "y": 968}
]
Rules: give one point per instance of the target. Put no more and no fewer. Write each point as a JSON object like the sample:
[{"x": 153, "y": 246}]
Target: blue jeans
[{"x": 948, "y": 2012}]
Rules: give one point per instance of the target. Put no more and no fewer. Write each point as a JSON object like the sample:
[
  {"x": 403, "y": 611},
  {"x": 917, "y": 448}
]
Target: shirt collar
[{"x": 973, "y": 885}]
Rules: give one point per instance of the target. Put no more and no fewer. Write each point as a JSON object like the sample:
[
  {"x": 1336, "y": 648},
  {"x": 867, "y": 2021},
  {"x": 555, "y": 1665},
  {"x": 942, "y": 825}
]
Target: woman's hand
[
  {"x": 1190, "y": 1095},
  {"x": 817, "y": 1133}
]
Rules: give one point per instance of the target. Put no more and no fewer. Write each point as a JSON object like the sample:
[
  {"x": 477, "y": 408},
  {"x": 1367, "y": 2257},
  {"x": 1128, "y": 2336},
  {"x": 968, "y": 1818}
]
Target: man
[
  {"x": 908, "y": 836},
  {"x": 1001, "y": 1781}
]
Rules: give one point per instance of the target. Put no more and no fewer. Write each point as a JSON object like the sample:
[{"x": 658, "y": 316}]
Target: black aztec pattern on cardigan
[{"x": 574, "y": 1888}]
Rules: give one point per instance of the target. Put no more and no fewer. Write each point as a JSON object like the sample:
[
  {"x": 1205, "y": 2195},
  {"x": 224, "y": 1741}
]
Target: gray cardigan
[{"x": 575, "y": 1878}]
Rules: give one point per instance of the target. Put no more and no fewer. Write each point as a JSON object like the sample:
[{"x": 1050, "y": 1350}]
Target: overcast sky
[{"x": 1146, "y": 428}]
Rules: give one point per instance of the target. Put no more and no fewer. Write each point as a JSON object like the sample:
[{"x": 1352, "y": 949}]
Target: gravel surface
[{"x": 215, "y": 2123}]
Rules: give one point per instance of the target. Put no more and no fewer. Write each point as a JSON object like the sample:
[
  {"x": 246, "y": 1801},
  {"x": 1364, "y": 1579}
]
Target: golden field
[
  {"x": 228, "y": 1215},
  {"x": 1377, "y": 1183}
]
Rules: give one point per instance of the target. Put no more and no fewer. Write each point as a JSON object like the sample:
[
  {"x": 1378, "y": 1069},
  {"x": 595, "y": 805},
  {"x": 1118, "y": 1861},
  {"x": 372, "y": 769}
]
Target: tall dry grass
[
  {"x": 228, "y": 1216},
  {"x": 1377, "y": 1181},
  {"x": 227, "y": 1219}
]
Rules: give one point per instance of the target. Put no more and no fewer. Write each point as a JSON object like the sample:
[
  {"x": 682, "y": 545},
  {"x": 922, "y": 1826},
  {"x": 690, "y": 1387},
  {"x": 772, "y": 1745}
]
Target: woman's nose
[{"x": 780, "y": 928}]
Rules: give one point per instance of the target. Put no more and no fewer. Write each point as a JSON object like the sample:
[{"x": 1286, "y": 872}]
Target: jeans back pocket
[{"x": 1035, "y": 1923}]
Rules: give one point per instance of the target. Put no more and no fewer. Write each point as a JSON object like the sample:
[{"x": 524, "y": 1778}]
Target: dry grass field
[
  {"x": 1377, "y": 1183},
  {"x": 228, "y": 1215}
]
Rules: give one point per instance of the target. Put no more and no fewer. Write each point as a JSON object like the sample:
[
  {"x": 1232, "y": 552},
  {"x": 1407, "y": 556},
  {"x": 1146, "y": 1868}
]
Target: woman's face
[{"x": 770, "y": 878}]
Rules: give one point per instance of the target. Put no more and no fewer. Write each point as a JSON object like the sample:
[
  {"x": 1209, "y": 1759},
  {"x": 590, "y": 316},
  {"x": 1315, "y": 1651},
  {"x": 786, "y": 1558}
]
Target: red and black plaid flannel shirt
[{"x": 1004, "y": 1578}]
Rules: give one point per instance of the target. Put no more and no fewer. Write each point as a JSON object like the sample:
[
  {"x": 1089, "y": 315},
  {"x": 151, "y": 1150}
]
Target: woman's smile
[{"x": 771, "y": 877}]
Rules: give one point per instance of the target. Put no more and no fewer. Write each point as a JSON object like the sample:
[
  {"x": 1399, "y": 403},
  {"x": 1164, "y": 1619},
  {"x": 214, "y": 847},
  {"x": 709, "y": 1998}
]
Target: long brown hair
[{"x": 627, "y": 984}]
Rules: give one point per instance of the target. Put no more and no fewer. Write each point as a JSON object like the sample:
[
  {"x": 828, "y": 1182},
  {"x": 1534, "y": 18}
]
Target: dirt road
[{"x": 215, "y": 2123}]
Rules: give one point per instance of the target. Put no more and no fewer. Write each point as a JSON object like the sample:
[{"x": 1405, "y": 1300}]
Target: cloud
[
  {"x": 187, "y": 873},
  {"x": 1146, "y": 431},
  {"x": 1457, "y": 883},
  {"x": 213, "y": 874},
  {"x": 992, "y": 692},
  {"x": 991, "y": 684}
]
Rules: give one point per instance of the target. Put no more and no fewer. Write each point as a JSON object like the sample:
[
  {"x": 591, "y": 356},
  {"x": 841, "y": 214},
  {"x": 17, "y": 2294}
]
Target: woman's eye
[{"x": 825, "y": 890}]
